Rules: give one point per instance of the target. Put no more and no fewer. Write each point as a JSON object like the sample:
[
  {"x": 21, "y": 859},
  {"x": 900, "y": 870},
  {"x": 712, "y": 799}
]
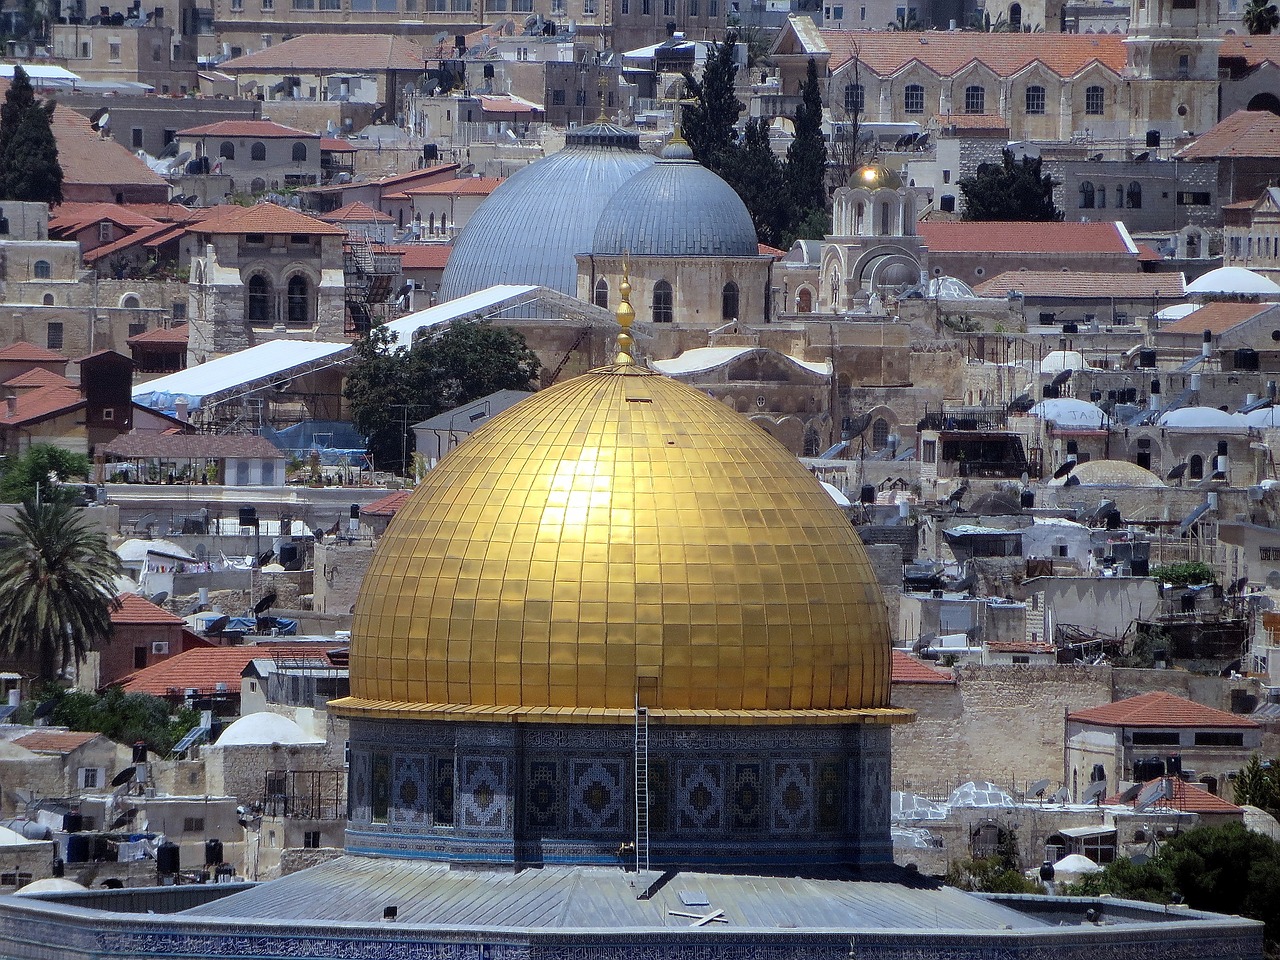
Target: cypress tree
[
  {"x": 710, "y": 121},
  {"x": 806, "y": 167},
  {"x": 29, "y": 168}
]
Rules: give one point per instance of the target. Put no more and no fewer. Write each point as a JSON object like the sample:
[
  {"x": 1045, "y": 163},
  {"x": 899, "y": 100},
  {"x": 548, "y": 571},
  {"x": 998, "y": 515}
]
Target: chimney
[
  {"x": 1207, "y": 344},
  {"x": 180, "y": 409},
  {"x": 12, "y": 401}
]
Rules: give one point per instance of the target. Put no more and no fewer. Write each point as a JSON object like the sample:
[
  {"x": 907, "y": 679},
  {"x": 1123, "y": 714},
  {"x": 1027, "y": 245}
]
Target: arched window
[
  {"x": 258, "y": 299},
  {"x": 855, "y": 98},
  {"x": 1133, "y": 196},
  {"x": 884, "y": 219},
  {"x": 299, "y": 300},
  {"x": 804, "y": 300},
  {"x": 1015, "y": 17},
  {"x": 662, "y": 308},
  {"x": 268, "y": 473},
  {"x": 1102, "y": 197},
  {"x": 913, "y": 98},
  {"x": 258, "y": 151},
  {"x": 880, "y": 433},
  {"x": 40, "y": 270},
  {"x": 812, "y": 443},
  {"x": 601, "y": 298},
  {"x": 242, "y": 473},
  {"x": 130, "y": 301},
  {"x": 975, "y": 99},
  {"x": 1094, "y": 101},
  {"x": 431, "y": 223},
  {"x": 48, "y": 299},
  {"x": 729, "y": 301},
  {"x": 859, "y": 213},
  {"x": 1119, "y": 195},
  {"x": 258, "y": 185},
  {"x": 227, "y": 150},
  {"x": 299, "y": 153},
  {"x": 1035, "y": 99},
  {"x": 1086, "y": 194},
  {"x": 1195, "y": 467}
]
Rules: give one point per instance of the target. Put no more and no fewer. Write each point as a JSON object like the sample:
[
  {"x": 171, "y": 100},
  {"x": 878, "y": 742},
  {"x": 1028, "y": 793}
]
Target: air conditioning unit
[{"x": 159, "y": 648}]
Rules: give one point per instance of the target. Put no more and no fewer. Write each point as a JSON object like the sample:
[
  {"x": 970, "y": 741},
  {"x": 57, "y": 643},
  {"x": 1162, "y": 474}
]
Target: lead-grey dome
[
  {"x": 533, "y": 225},
  {"x": 676, "y": 208}
]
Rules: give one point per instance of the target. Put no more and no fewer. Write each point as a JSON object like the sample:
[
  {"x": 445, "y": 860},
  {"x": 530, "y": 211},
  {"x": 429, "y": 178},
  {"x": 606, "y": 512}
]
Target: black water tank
[
  {"x": 288, "y": 554},
  {"x": 1028, "y": 499},
  {"x": 248, "y": 517},
  {"x": 1070, "y": 328},
  {"x": 1140, "y": 566},
  {"x": 139, "y": 752},
  {"x": 1174, "y": 765},
  {"x": 212, "y": 852},
  {"x": 1245, "y": 359},
  {"x": 1153, "y": 138},
  {"x": 168, "y": 858},
  {"x": 79, "y": 849},
  {"x": 867, "y": 494},
  {"x": 1146, "y": 357},
  {"x": 73, "y": 823},
  {"x": 59, "y": 867}
]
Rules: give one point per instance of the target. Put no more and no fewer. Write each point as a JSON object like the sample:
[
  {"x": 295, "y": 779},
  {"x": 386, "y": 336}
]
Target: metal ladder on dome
[{"x": 642, "y": 787}]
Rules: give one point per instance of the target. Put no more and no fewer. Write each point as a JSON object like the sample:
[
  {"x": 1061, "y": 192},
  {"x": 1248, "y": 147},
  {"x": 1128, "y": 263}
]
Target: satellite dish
[
  {"x": 1072, "y": 481},
  {"x": 1063, "y": 470},
  {"x": 265, "y": 558},
  {"x": 266, "y": 603},
  {"x": 124, "y": 776},
  {"x": 1131, "y": 794},
  {"x": 1237, "y": 586},
  {"x": 857, "y": 425},
  {"x": 1038, "y": 788},
  {"x": 1062, "y": 796},
  {"x": 45, "y": 709},
  {"x": 1273, "y": 579},
  {"x": 124, "y": 818},
  {"x": 182, "y": 158},
  {"x": 1178, "y": 472},
  {"x": 217, "y": 626},
  {"x": 1095, "y": 792},
  {"x": 1062, "y": 377},
  {"x": 159, "y": 598}
]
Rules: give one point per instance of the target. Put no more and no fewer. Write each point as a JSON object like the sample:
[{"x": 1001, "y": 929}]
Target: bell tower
[{"x": 1172, "y": 57}]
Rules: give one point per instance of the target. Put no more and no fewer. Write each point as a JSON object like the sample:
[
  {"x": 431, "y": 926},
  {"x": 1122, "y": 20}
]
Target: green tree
[
  {"x": 1011, "y": 190},
  {"x": 805, "y": 170},
  {"x": 998, "y": 873},
  {"x": 1260, "y": 17},
  {"x": 38, "y": 473},
  {"x": 709, "y": 122},
  {"x": 124, "y": 717},
  {"x": 57, "y": 587},
  {"x": 755, "y": 173},
  {"x": 29, "y": 168},
  {"x": 391, "y": 387},
  {"x": 1187, "y": 574}
]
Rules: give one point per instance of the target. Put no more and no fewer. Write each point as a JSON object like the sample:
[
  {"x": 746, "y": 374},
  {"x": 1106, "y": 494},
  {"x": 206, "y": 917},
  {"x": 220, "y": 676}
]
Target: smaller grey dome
[{"x": 676, "y": 208}]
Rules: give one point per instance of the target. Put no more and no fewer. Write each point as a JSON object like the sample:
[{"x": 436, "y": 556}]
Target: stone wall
[{"x": 339, "y": 571}]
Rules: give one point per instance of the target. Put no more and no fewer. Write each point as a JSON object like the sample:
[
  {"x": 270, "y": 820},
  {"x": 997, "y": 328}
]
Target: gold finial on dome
[{"x": 626, "y": 315}]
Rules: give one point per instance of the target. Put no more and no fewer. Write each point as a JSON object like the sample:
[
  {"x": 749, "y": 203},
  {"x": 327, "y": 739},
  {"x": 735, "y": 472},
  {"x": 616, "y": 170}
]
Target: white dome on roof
[
  {"x": 1110, "y": 473},
  {"x": 1233, "y": 280},
  {"x": 1203, "y": 418},
  {"x": 1266, "y": 418},
  {"x": 1076, "y": 863},
  {"x": 262, "y": 729},
  {"x": 51, "y": 885},
  {"x": 835, "y": 494},
  {"x": 1055, "y": 361},
  {"x": 1070, "y": 412},
  {"x": 1177, "y": 311}
]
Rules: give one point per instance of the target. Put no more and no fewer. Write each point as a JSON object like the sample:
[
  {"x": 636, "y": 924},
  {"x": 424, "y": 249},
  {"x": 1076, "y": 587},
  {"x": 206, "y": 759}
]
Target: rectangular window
[
  {"x": 913, "y": 99},
  {"x": 1021, "y": 658},
  {"x": 557, "y": 98},
  {"x": 105, "y": 231},
  {"x": 268, "y": 4},
  {"x": 1219, "y": 738},
  {"x": 1150, "y": 739},
  {"x": 929, "y": 451},
  {"x": 20, "y": 879},
  {"x": 588, "y": 8},
  {"x": 364, "y": 5},
  {"x": 135, "y": 138},
  {"x": 692, "y": 8},
  {"x": 255, "y": 238},
  {"x": 1195, "y": 198},
  {"x": 139, "y": 657},
  {"x": 1035, "y": 100},
  {"x": 193, "y": 824},
  {"x": 113, "y": 51},
  {"x": 625, "y": 7},
  {"x": 179, "y": 310},
  {"x": 108, "y": 414},
  {"x": 862, "y": 13},
  {"x": 304, "y": 4},
  {"x": 53, "y": 338},
  {"x": 668, "y": 8},
  {"x": 975, "y": 99},
  {"x": 646, "y": 6},
  {"x": 88, "y": 778},
  {"x": 86, "y": 50},
  {"x": 713, "y": 9},
  {"x": 946, "y": 176},
  {"x": 855, "y": 98},
  {"x": 1094, "y": 103},
  {"x": 311, "y": 839},
  {"x": 580, "y": 98},
  {"x": 837, "y": 12}
]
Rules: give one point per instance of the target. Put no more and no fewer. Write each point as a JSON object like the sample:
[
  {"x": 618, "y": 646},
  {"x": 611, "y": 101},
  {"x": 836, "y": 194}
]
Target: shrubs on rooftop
[
  {"x": 1188, "y": 574},
  {"x": 123, "y": 717}
]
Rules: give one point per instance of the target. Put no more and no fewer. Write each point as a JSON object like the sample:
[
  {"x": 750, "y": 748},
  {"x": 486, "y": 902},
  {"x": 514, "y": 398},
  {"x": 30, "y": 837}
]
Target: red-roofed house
[
  {"x": 52, "y": 415},
  {"x": 359, "y": 219},
  {"x": 98, "y": 170},
  {"x": 974, "y": 252},
  {"x": 142, "y": 634},
  {"x": 907, "y": 669},
  {"x": 422, "y": 263},
  {"x": 386, "y": 195},
  {"x": 1146, "y": 736},
  {"x": 72, "y": 763},
  {"x": 257, "y": 155},
  {"x": 1175, "y": 795},
  {"x": 443, "y": 208},
  {"x": 1247, "y": 148},
  {"x": 1251, "y": 234},
  {"x": 1232, "y": 327}
]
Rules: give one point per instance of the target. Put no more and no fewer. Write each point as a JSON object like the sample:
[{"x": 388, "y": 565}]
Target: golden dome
[{"x": 621, "y": 534}]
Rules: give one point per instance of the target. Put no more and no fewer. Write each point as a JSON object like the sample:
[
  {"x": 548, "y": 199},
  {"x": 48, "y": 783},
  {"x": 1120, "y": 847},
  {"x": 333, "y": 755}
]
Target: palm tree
[
  {"x": 57, "y": 587},
  {"x": 1260, "y": 17}
]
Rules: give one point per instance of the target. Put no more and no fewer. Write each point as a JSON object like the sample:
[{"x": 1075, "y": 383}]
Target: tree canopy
[
  {"x": 1010, "y": 190},
  {"x": 29, "y": 168},
  {"x": 39, "y": 473},
  {"x": 1260, "y": 17},
  {"x": 57, "y": 587},
  {"x": 709, "y": 120},
  {"x": 805, "y": 171},
  {"x": 123, "y": 717},
  {"x": 392, "y": 387}
]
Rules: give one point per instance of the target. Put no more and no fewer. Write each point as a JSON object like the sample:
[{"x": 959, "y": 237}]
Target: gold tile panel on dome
[{"x": 621, "y": 536}]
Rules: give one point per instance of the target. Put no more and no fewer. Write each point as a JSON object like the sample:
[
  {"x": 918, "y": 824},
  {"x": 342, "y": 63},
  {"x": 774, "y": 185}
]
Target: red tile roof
[
  {"x": 443, "y": 171},
  {"x": 907, "y": 669},
  {"x": 1055, "y": 283},
  {"x": 1017, "y": 237},
  {"x": 1216, "y": 317},
  {"x": 255, "y": 129},
  {"x": 86, "y": 158},
  {"x": 1187, "y": 798},
  {"x": 388, "y": 505},
  {"x": 357, "y": 211},
  {"x": 135, "y": 609},
  {"x": 422, "y": 256},
  {"x": 1253, "y": 50},
  {"x": 38, "y": 377},
  {"x": 1146, "y": 254},
  {"x": 1159, "y": 709},
  {"x": 203, "y": 668},
  {"x": 460, "y": 187},
  {"x": 142, "y": 236},
  {"x": 887, "y": 52},
  {"x": 320, "y": 53},
  {"x": 55, "y": 741},
  {"x": 507, "y": 105},
  {"x": 40, "y": 404},
  {"x": 67, "y": 220},
  {"x": 30, "y": 353},
  {"x": 768, "y": 251},
  {"x": 265, "y": 218},
  {"x": 177, "y": 335},
  {"x": 1246, "y": 133},
  {"x": 337, "y": 146}
]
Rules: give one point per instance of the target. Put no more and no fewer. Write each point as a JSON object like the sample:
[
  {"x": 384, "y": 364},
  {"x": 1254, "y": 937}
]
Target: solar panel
[
  {"x": 7, "y": 711},
  {"x": 192, "y": 737}
]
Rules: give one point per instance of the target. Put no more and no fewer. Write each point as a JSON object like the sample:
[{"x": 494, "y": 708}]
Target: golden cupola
[{"x": 615, "y": 537}]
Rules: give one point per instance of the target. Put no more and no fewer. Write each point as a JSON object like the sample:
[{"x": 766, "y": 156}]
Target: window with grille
[
  {"x": 913, "y": 98},
  {"x": 662, "y": 302},
  {"x": 1094, "y": 101},
  {"x": 1035, "y": 100},
  {"x": 311, "y": 839},
  {"x": 53, "y": 338},
  {"x": 193, "y": 824},
  {"x": 855, "y": 98},
  {"x": 975, "y": 99}
]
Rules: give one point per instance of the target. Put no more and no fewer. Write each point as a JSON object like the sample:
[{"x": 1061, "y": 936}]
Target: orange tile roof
[
  {"x": 38, "y": 377},
  {"x": 1246, "y": 133},
  {"x": 1146, "y": 254},
  {"x": 334, "y": 145},
  {"x": 388, "y": 505},
  {"x": 1253, "y": 50},
  {"x": 65, "y": 219},
  {"x": 507, "y": 105},
  {"x": 357, "y": 211},
  {"x": 30, "y": 353},
  {"x": 768, "y": 251},
  {"x": 446, "y": 171},
  {"x": 136, "y": 609},
  {"x": 40, "y": 404},
  {"x": 1187, "y": 798},
  {"x": 256, "y": 129},
  {"x": 907, "y": 669},
  {"x": 177, "y": 334},
  {"x": 55, "y": 741},
  {"x": 85, "y": 158},
  {"x": 324, "y": 54},
  {"x": 1017, "y": 237},
  {"x": 460, "y": 187},
  {"x": 974, "y": 121},
  {"x": 886, "y": 52},
  {"x": 1159, "y": 709},
  {"x": 1055, "y": 283},
  {"x": 264, "y": 218},
  {"x": 203, "y": 668},
  {"x": 1216, "y": 317},
  {"x": 422, "y": 256}
]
